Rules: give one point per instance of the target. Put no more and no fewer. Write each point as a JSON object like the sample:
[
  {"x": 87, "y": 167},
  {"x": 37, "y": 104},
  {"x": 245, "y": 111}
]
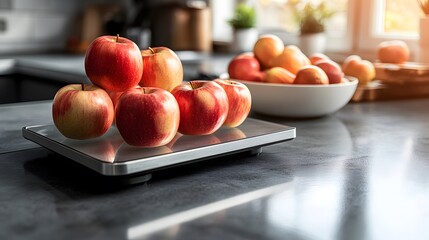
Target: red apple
[
  {"x": 147, "y": 117},
  {"x": 279, "y": 75},
  {"x": 82, "y": 111},
  {"x": 311, "y": 75},
  {"x": 203, "y": 107},
  {"x": 332, "y": 70},
  {"x": 266, "y": 48},
  {"x": 245, "y": 67},
  {"x": 239, "y": 101},
  {"x": 113, "y": 63},
  {"x": 162, "y": 68}
]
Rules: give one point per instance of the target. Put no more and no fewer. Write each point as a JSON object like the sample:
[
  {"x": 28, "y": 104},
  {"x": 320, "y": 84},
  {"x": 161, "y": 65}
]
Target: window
[
  {"x": 276, "y": 16},
  {"x": 383, "y": 20},
  {"x": 400, "y": 17},
  {"x": 358, "y": 26}
]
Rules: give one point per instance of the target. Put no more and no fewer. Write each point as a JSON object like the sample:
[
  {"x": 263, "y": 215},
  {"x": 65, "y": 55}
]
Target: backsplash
[{"x": 39, "y": 25}]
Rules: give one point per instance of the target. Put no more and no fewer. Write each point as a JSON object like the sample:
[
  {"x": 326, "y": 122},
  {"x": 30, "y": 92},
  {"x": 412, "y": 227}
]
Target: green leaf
[{"x": 244, "y": 17}]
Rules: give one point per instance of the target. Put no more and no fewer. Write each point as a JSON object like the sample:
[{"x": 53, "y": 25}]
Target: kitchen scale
[{"x": 109, "y": 155}]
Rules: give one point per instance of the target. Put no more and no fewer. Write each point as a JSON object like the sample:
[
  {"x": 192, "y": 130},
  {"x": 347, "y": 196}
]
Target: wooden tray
[{"x": 396, "y": 81}]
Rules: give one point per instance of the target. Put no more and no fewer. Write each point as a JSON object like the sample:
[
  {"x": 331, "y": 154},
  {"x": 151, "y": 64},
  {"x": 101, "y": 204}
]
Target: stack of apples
[
  {"x": 273, "y": 62},
  {"x": 143, "y": 92}
]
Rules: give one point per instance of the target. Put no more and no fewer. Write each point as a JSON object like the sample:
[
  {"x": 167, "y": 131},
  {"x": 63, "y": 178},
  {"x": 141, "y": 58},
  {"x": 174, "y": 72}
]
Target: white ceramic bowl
[{"x": 299, "y": 100}]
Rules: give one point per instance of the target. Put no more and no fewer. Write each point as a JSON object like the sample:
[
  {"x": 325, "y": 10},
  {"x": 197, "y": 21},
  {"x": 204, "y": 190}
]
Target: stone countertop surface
[{"x": 361, "y": 173}]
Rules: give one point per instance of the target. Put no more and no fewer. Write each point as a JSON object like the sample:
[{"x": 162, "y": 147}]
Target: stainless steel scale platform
[{"x": 109, "y": 155}]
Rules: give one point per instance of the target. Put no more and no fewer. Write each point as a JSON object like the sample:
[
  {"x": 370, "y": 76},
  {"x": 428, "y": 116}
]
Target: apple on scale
[
  {"x": 147, "y": 117},
  {"x": 239, "y": 101},
  {"x": 82, "y": 111},
  {"x": 203, "y": 107},
  {"x": 114, "y": 63},
  {"x": 162, "y": 68}
]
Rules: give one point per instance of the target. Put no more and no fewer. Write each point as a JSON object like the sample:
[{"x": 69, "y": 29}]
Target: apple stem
[
  {"x": 192, "y": 85},
  {"x": 144, "y": 90},
  {"x": 151, "y": 49},
  {"x": 117, "y": 37},
  {"x": 83, "y": 86}
]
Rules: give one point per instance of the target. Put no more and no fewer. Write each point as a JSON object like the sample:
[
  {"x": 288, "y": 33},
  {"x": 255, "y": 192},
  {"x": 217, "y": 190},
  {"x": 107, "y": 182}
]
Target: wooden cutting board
[{"x": 396, "y": 81}]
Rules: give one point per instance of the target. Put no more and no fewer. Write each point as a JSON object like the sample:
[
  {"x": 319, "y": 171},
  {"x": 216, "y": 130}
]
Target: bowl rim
[{"x": 350, "y": 82}]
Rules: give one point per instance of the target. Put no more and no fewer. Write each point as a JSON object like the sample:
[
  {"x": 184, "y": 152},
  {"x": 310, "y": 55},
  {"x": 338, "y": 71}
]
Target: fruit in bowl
[
  {"x": 245, "y": 66},
  {"x": 332, "y": 70},
  {"x": 311, "y": 75},
  {"x": 291, "y": 59},
  {"x": 279, "y": 75},
  {"x": 266, "y": 48}
]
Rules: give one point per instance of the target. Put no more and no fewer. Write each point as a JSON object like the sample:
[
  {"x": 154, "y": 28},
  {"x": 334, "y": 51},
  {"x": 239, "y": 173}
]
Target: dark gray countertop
[{"x": 361, "y": 173}]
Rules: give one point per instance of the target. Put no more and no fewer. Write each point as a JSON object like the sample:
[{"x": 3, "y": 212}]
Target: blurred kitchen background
[
  {"x": 201, "y": 25},
  {"x": 52, "y": 25}
]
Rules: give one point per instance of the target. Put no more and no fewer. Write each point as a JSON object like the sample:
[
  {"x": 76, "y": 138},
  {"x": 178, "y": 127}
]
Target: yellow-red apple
[
  {"x": 82, "y": 111},
  {"x": 363, "y": 70},
  {"x": 245, "y": 67},
  {"x": 147, "y": 117},
  {"x": 279, "y": 75},
  {"x": 239, "y": 101},
  {"x": 113, "y": 63},
  {"x": 203, "y": 107},
  {"x": 332, "y": 70},
  {"x": 162, "y": 68},
  {"x": 311, "y": 75},
  {"x": 394, "y": 51},
  {"x": 291, "y": 59},
  {"x": 266, "y": 48}
]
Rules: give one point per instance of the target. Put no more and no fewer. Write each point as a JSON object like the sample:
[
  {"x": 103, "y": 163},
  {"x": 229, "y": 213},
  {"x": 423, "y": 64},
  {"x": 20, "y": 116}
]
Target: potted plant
[
  {"x": 311, "y": 19},
  {"x": 423, "y": 53},
  {"x": 243, "y": 24}
]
